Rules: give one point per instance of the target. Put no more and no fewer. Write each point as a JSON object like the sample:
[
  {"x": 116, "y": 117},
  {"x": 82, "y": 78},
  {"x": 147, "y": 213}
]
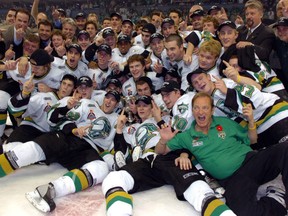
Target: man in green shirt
[{"x": 222, "y": 147}]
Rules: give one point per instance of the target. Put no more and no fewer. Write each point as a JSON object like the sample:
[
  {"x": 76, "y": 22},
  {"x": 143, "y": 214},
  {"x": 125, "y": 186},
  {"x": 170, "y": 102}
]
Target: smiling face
[
  {"x": 170, "y": 98},
  {"x": 202, "y": 83},
  {"x": 157, "y": 46},
  {"x": 143, "y": 89},
  {"x": 144, "y": 110},
  {"x": 206, "y": 60},
  {"x": 109, "y": 104},
  {"x": 227, "y": 36},
  {"x": 253, "y": 17},
  {"x": 174, "y": 52},
  {"x": 136, "y": 69},
  {"x": 202, "y": 111}
]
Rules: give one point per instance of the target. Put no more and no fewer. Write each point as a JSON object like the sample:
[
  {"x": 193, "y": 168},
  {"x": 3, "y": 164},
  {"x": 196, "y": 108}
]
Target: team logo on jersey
[
  {"x": 73, "y": 116},
  {"x": 47, "y": 108},
  {"x": 91, "y": 115},
  {"x": 144, "y": 133},
  {"x": 196, "y": 142},
  {"x": 182, "y": 108},
  {"x": 101, "y": 128},
  {"x": 131, "y": 130}
]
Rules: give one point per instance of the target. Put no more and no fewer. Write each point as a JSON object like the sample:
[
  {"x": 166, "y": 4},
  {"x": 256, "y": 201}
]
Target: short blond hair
[
  {"x": 254, "y": 4},
  {"x": 212, "y": 46}
]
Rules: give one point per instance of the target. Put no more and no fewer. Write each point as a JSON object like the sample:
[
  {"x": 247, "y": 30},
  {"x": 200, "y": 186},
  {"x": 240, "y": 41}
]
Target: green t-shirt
[{"x": 221, "y": 152}]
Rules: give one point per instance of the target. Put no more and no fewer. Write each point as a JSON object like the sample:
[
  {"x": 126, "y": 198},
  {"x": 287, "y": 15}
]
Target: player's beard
[{"x": 250, "y": 23}]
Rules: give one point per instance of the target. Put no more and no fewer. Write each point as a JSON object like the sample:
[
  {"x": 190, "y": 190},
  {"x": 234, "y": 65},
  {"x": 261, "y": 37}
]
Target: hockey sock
[
  {"x": 118, "y": 202},
  {"x": 215, "y": 207},
  {"x": 81, "y": 179},
  {"x": 5, "y": 166}
]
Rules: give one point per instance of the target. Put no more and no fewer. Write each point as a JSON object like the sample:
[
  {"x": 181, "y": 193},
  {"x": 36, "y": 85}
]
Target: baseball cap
[
  {"x": 173, "y": 72},
  {"x": 227, "y": 23},
  {"x": 170, "y": 86},
  {"x": 83, "y": 32},
  {"x": 75, "y": 46},
  {"x": 128, "y": 21},
  {"x": 156, "y": 35},
  {"x": 197, "y": 71},
  {"x": 115, "y": 94},
  {"x": 124, "y": 38},
  {"x": 149, "y": 27},
  {"x": 62, "y": 11},
  {"x": 283, "y": 21},
  {"x": 80, "y": 15},
  {"x": 214, "y": 7},
  {"x": 40, "y": 57},
  {"x": 146, "y": 99},
  {"x": 85, "y": 80},
  {"x": 105, "y": 48},
  {"x": 115, "y": 14},
  {"x": 167, "y": 20},
  {"x": 108, "y": 32},
  {"x": 115, "y": 82},
  {"x": 198, "y": 12}
]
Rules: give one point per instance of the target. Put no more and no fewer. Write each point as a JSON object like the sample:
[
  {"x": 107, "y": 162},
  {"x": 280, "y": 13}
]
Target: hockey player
[
  {"x": 270, "y": 112},
  {"x": 34, "y": 109},
  {"x": 136, "y": 65},
  {"x": 174, "y": 58},
  {"x": 71, "y": 63},
  {"x": 87, "y": 131},
  {"x": 102, "y": 72},
  {"x": 152, "y": 170},
  {"x": 46, "y": 78}
]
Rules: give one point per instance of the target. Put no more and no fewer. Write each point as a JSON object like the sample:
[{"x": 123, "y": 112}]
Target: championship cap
[
  {"x": 83, "y": 32},
  {"x": 106, "y": 48},
  {"x": 116, "y": 94},
  {"x": 75, "y": 46},
  {"x": 226, "y": 23},
  {"x": 167, "y": 20},
  {"x": 156, "y": 35},
  {"x": 80, "y": 15},
  {"x": 108, "y": 32},
  {"x": 128, "y": 21},
  {"x": 149, "y": 28},
  {"x": 283, "y": 21},
  {"x": 85, "y": 80},
  {"x": 198, "y": 12},
  {"x": 197, "y": 71},
  {"x": 124, "y": 38},
  {"x": 145, "y": 99},
  {"x": 170, "y": 86},
  {"x": 214, "y": 7},
  {"x": 115, "y": 82},
  {"x": 115, "y": 14}
]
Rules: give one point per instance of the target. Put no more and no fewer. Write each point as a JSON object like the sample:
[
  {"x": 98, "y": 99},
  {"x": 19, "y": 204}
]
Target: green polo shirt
[{"x": 221, "y": 152}]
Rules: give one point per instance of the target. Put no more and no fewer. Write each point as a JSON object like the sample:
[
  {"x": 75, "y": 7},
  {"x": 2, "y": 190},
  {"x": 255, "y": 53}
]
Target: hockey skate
[
  {"x": 137, "y": 153},
  {"x": 42, "y": 198},
  {"x": 119, "y": 160}
]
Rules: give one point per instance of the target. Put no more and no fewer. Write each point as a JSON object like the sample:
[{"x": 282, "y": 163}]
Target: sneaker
[
  {"x": 42, "y": 198},
  {"x": 137, "y": 153},
  {"x": 276, "y": 193},
  {"x": 119, "y": 160}
]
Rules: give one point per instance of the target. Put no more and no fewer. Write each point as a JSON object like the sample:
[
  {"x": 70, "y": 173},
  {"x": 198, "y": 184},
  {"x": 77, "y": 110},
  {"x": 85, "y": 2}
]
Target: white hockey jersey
[
  {"x": 182, "y": 112},
  {"x": 34, "y": 112}
]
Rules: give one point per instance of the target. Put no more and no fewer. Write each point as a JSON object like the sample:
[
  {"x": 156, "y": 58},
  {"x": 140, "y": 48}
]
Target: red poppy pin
[{"x": 221, "y": 133}]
